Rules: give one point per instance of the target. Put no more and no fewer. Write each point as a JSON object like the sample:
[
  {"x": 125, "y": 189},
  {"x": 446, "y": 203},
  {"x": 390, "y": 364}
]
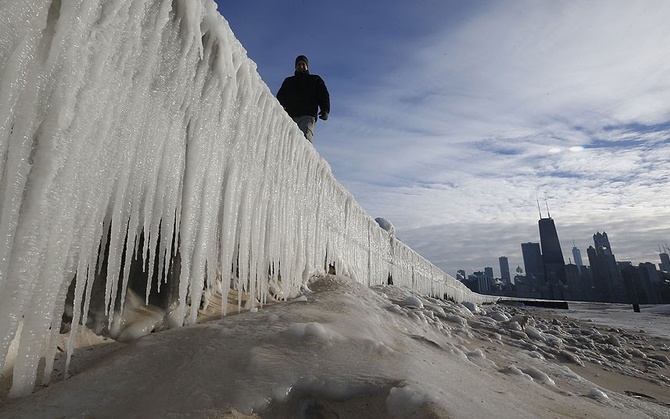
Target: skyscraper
[
  {"x": 488, "y": 273},
  {"x": 504, "y": 269},
  {"x": 532, "y": 259},
  {"x": 665, "y": 261},
  {"x": 602, "y": 244},
  {"x": 577, "y": 256},
  {"x": 606, "y": 276},
  {"x": 532, "y": 262},
  {"x": 483, "y": 283},
  {"x": 552, "y": 258},
  {"x": 460, "y": 275}
]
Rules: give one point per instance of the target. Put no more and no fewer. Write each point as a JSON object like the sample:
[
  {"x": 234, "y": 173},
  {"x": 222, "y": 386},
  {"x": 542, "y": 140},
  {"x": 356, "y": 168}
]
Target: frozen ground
[
  {"x": 343, "y": 350},
  {"x": 653, "y": 319}
]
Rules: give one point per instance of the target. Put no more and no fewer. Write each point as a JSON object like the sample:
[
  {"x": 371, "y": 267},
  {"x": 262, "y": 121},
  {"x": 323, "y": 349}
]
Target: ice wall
[{"x": 123, "y": 119}]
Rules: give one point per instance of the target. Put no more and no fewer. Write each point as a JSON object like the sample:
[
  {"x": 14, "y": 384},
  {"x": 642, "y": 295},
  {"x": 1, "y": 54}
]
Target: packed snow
[{"x": 343, "y": 349}]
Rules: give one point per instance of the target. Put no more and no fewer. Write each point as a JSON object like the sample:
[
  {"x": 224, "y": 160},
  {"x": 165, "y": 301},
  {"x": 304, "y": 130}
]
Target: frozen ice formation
[
  {"x": 140, "y": 150},
  {"x": 385, "y": 225}
]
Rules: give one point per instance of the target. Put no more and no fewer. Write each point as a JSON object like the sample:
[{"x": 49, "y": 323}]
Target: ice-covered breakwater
[{"x": 139, "y": 132}]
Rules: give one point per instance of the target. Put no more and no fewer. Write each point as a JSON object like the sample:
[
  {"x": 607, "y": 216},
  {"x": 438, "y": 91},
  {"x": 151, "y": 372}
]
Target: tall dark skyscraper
[
  {"x": 577, "y": 255},
  {"x": 602, "y": 244},
  {"x": 606, "y": 276},
  {"x": 552, "y": 258},
  {"x": 665, "y": 261},
  {"x": 504, "y": 270},
  {"x": 532, "y": 259},
  {"x": 529, "y": 285}
]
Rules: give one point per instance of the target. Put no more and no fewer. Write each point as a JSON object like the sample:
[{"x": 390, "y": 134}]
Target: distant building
[
  {"x": 632, "y": 283},
  {"x": 587, "y": 283},
  {"x": 650, "y": 278},
  {"x": 577, "y": 256},
  {"x": 602, "y": 244},
  {"x": 607, "y": 279},
  {"x": 460, "y": 275},
  {"x": 602, "y": 284},
  {"x": 639, "y": 281},
  {"x": 488, "y": 272},
  {"x": 478, "y": 282},
  {"x": 552, "y": 259},
  {"x": 526, "y": 287},
  {"x": 665, "y": 262},
  {"x": 573, "y": 278},
  {"x": 532, "y": 260},
  {"x": 504, "y": 269}
]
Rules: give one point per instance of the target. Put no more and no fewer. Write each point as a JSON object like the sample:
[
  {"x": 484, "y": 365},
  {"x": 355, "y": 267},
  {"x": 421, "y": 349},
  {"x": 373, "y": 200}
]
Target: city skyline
[
  {"x": 548, "y": 276},
  {"x": 517, "y": 259}
]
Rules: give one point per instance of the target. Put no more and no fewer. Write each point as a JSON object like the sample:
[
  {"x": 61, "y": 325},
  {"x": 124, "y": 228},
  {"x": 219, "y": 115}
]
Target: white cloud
[{"x": 469, "y": 111}]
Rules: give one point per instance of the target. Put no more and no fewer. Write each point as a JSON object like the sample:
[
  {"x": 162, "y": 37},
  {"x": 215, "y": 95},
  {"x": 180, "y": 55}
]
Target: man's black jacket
[{"x": 303, "y": 93}]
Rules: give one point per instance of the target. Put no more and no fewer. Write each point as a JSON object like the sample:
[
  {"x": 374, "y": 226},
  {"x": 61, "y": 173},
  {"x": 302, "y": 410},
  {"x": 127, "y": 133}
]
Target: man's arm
[
  {"x": 323, "y": 98},
  {"x": 281, "y": 94}
]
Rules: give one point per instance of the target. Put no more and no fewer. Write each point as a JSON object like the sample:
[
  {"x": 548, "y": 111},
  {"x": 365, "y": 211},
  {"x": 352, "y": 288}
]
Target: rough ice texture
[
  {"x": 342, "y": 352},
  {"x": 140, "y": 131}
]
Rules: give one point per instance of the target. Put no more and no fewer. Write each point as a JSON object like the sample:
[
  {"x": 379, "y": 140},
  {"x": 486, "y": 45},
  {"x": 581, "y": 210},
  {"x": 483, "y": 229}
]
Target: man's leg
[{"x": 306, "y": 124}]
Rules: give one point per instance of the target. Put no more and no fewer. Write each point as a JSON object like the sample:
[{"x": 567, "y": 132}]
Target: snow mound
[{"x": 342, "y": 352}]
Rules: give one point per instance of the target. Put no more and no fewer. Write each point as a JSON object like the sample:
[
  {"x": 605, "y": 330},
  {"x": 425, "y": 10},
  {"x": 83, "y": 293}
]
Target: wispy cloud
[{"x": 452, "y": 123}]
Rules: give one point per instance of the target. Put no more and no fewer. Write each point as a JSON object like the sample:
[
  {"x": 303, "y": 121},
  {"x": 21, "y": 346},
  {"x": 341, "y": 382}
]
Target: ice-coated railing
[{"x": 121, "y": 119}]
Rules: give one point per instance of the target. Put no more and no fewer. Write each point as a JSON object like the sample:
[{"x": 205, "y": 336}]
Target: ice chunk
[
  {"x": 314, "y": 330},
  {"x": 498, "y": 316},
  {"x": 599, "y": 395},
  {"x": 514, "y": 370},
  {"x": 413, "y": 301},
  {"x": 402, "y": 401},
  {"x": 395, "y": 308},
  {"x": 538, "y": 375},
  {"x": 660, "y": 357},
  {"x": 474, "y": 308},
  {"x": 534, "y": 333}
]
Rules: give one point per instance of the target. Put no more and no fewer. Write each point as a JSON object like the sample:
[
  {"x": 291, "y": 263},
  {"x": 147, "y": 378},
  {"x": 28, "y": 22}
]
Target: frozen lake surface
[{"x": 652, "y": 318}]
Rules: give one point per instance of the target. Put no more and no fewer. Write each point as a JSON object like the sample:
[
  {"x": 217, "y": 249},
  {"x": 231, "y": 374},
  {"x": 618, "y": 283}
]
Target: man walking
[{"x": 302, "y": 95}]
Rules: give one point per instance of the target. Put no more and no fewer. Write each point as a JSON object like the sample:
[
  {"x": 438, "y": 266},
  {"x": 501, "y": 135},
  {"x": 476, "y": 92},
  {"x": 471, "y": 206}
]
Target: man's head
[{"x": 301, "y": 63}]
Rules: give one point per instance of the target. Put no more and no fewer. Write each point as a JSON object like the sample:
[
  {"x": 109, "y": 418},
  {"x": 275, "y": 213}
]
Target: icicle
[{"x": 128, "y": 122}]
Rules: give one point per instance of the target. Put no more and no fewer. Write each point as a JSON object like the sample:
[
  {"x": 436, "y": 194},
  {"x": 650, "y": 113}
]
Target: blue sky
[{"x": 451, "y": 118}]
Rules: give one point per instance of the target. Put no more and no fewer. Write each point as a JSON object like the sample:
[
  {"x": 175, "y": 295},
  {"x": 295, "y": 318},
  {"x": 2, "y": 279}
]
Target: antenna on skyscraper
[
  {"x": 538, "y": 206},
  {"x": 546, "y": 203}
]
